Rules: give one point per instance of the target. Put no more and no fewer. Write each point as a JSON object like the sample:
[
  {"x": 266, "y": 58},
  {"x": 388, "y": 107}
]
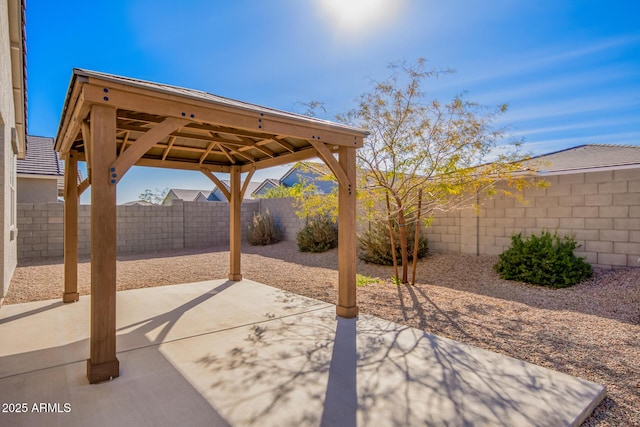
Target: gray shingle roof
[
  {"x": 216, "y": 194},
  {"x": 188, "y": 195},
  {"x": 41, "y": 159},
  {"x": 589, "y": 156}
]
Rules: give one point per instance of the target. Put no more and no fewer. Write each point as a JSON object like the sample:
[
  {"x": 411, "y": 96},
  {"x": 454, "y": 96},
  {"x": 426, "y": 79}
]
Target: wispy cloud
[{"x": 527, "y": 63}]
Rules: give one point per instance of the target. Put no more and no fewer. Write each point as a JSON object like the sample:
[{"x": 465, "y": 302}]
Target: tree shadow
[{"x": 314, "y": 369}]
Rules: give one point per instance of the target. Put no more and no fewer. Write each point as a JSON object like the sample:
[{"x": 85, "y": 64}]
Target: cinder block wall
[
  {"x": 144, "y": 228},
  {"x": 601, "y": 209},
  {"x": 283, "y": 212}
]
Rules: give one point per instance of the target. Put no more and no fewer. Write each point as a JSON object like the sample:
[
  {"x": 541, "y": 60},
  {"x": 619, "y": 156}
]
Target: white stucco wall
[{"x": 8, "y": 248}]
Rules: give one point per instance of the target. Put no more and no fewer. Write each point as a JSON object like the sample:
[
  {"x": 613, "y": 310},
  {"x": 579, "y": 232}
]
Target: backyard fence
[
  {"x": 145, "y": 228},
  {"x": 600, "y": 209}
]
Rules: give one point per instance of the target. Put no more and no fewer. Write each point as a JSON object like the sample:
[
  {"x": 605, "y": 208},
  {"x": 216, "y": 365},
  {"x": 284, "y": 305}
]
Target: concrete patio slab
[{"x": 223, "y": 353}]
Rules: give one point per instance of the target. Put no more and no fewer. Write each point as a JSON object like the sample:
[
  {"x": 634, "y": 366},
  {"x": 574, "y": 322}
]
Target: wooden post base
[
  {"x": 70, "y": 297},
  {"x": 102, "y": 371},
  {"x": 235, "y": 277},
  {"x": 347, "y": 312}
]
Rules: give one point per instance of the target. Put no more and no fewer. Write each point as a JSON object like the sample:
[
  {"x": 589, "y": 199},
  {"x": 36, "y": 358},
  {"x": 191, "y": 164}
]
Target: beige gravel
[{"x": 591, "y": 330}]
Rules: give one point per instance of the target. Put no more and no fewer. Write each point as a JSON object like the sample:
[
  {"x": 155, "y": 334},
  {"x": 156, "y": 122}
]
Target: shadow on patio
[{"x": 222, "y": 353}]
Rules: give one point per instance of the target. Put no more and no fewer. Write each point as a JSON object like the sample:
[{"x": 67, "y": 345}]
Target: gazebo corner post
[
  {"x": 235, "y": 227},
  {"x": 347, "y": 235},
  {"x": 103, "y": 364},
  {"x": 71, "y": 228}
]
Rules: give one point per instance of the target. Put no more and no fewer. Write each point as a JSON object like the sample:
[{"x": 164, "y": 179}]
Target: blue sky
[{"x": 569, "y": 70}]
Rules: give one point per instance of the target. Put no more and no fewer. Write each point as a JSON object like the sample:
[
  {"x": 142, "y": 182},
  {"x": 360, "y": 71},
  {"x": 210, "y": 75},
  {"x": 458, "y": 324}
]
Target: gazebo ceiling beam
[
  {"x": 305, "y": 154},
  {"x": 165, "y": 153},
  {"x": 143, "y": 144},
  {"x": 227, "y": 155},
  {"x": 135, "y": 99},
  {"x": 171, "y": 163},
  {"x": 207, "y": 151}
]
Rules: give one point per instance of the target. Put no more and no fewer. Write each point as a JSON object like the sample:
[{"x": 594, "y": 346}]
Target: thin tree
[
  {"x": 155, "y": 196},
  {"x": 451, "y": 151}
]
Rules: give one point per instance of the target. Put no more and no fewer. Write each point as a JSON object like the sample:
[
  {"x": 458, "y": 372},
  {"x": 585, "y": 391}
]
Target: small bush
[
  {"x": 262, "y": 230},
  {"x": 375, "y": 245},
  {"x": 319, "y": 235},
  {"x": 543, "y": 260}
]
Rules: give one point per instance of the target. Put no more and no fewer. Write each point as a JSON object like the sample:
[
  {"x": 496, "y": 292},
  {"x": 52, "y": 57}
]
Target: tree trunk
[
  {"x": 392, "y": 239},
  {"x": 416, "y": 239},
  {"x": 402, "y": 224}
]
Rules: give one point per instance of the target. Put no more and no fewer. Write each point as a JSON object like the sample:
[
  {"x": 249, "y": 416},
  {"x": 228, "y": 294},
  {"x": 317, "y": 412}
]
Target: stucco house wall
[{"x": 12, "y": 130}]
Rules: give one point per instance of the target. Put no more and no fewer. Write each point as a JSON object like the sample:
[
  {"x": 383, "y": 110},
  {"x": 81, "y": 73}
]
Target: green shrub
[
  {"x": 543, "y": 260},
  {"x": 375, "y": 245},
  {"x": 262, "y": 230},
  {"x": 319, "y": 235}
]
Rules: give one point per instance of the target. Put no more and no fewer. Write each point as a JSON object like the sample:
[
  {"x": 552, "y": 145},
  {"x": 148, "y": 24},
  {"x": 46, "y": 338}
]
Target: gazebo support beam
[
  {"x": 235, "y": 229},
  {"x": 103, "y": 364},
  {"x": 71, "y": 228},
  {"x": 347, "y": 235}
]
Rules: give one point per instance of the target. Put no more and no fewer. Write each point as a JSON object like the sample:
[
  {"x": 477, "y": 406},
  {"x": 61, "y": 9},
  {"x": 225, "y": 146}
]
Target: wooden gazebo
[{"x": 113, "y": 123}]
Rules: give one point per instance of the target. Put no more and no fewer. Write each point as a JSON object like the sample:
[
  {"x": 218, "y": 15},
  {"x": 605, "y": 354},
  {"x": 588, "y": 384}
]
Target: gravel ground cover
[{"x": 591, "y": 330}]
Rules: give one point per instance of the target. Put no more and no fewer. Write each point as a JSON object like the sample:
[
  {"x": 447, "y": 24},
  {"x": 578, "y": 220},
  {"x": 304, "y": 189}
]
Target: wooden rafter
[
  {"x": 237, "y": 153},
  {"x": 305, "y": 154},
  {"x": 165, "y": 153},
  {"x": 125, "y": 140},
  {"x": 252, "y": 145},
  {"x": 124, "y": 162},
  {"x": 207, "y": 151},
  {"x": 227, "y": 155},
  {"x": 284, "y": 144}
]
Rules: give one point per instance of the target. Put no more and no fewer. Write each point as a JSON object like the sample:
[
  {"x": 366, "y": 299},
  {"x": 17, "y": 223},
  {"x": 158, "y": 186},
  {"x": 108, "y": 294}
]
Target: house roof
[
  {"x": 40, "y": 158},
  {"x": 188, "y": 195},
  {"x": 588, "y": 156},
  {"x": 320, "y": 168},
  {"x": 267, "y": 182},
  {"x": 138, "y": 203},
  {"x": 248, "y": 195}
]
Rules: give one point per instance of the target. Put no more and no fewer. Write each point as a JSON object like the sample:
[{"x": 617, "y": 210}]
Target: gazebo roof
[{"x": 207, "y": 131}]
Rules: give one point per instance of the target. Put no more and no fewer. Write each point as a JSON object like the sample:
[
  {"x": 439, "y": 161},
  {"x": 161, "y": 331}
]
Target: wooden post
[
  {"x": 71, "y": 228},
  {"x": 347, "y": 236},
  {"x": 235, "y": 230},
  {"x": 103, "y": 364}
]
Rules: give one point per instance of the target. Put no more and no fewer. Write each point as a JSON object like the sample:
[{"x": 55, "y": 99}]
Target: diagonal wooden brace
[{"x": 136, "y": 150}]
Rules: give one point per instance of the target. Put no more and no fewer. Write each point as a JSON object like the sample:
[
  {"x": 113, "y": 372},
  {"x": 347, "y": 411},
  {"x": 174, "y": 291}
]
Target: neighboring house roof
[
  {"x": 310, "y": 172},
  {"x": 319, "y": 169},
  {"x": 265, "y": 185},
  {"x": 40, "y": 159},
  {"x": 186, "y": 195},
  {"x": 588, "y": 156},
  {"x": 138, "y": 203},
  {"x": 216, "y": 195}
]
